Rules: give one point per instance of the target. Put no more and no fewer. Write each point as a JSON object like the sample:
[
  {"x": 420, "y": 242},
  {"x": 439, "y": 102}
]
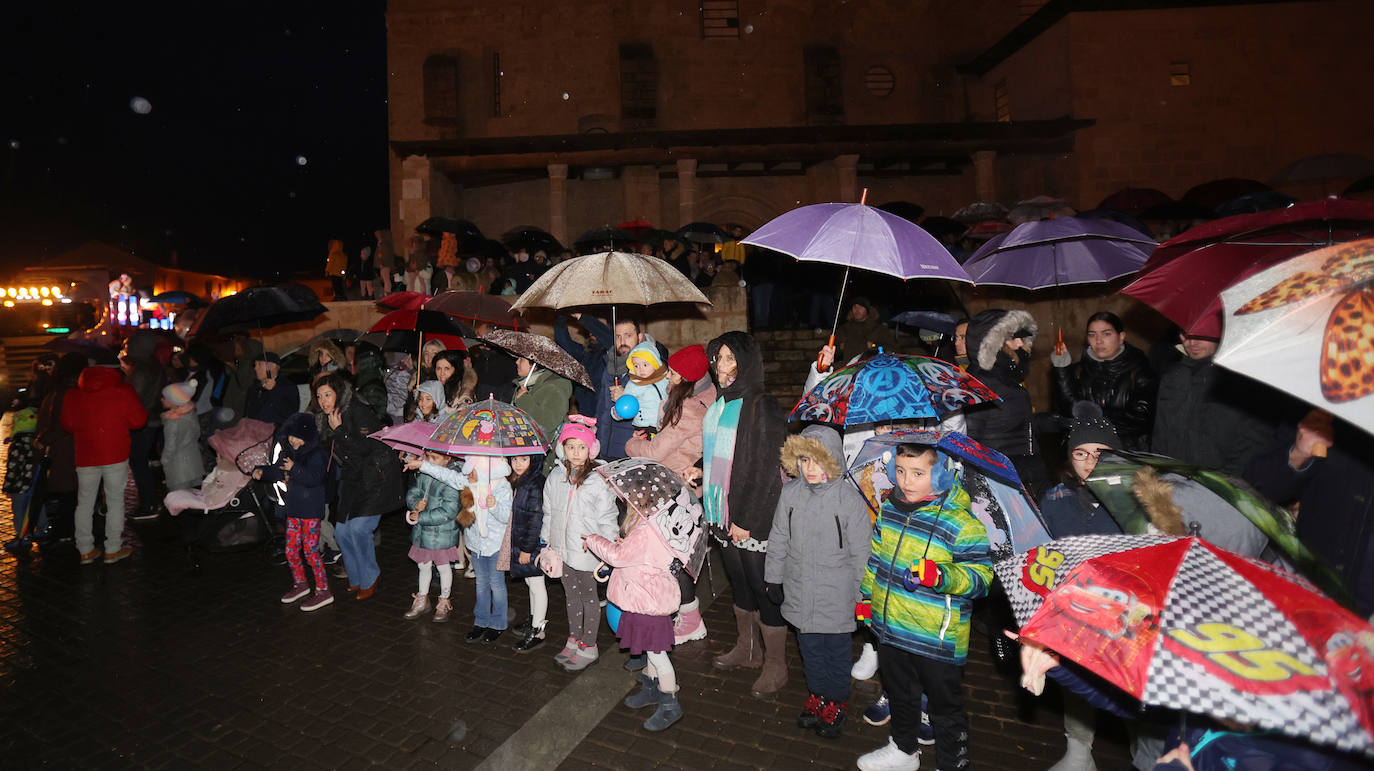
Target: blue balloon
[
  {"x": 626, "y": 407},
  {"x": 613, "y": 615}
]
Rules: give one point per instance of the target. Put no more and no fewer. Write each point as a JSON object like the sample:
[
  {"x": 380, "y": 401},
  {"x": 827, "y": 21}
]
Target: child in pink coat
[{"x": 646, "y": 591}]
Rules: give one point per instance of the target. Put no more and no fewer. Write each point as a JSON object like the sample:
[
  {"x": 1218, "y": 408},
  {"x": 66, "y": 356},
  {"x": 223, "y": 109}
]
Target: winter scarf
[{"x": 718, "y": 450}]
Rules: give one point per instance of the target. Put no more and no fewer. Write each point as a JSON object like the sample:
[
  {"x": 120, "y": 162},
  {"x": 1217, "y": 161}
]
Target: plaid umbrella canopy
[
  {"x": 1181, "y": 624},
  {"x": 659, "y": 495}
]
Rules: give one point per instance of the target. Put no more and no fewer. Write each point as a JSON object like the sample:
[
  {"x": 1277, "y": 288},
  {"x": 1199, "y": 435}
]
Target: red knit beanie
[{"x": 690, "y": 363}]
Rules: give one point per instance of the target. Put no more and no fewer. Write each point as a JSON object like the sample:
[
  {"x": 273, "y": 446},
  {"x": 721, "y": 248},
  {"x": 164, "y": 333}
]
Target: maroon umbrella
[
  {"x": 476, "y": 307},
  {"x": 1134, "y": 200},
  {"x": 1184, "y": 276}
]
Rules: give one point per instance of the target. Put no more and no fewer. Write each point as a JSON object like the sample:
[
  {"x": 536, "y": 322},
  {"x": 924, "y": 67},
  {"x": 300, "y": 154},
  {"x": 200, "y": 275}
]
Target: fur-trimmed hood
[
  {"x": 820, "y": 443},
  {"x": 1156, "y": 496},
  {"x": 990, "y": 329},
  {"x": 340, "y": 359}
]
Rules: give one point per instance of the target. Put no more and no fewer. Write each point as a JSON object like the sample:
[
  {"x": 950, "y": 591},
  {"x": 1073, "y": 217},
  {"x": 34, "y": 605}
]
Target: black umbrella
[
  {"x": 940, "y": 227},
  {"x": 602, "y": 239},
  {"x": 704, "y": 233},
  {"x": 260, "y": 307},
  {"x": 1116, "y": 215},
  {"x": 483, "y": 247},
  {"x": 1178, "y": 210},
  {"x": 434, "y": 226},
  {"x": 178, "y": 297},
  {"x": 100, "y": 354},
  {"x": 904, "y": 209},
  {"x": 1254, "y": 203},
  {"x": 531, "y": 239}
]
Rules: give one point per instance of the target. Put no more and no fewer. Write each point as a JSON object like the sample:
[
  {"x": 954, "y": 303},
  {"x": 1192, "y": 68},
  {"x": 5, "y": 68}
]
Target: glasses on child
[{"x": 1086, "y": 454}]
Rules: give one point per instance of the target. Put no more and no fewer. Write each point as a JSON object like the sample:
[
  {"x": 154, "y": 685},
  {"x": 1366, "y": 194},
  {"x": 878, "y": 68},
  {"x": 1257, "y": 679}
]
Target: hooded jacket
[
  {"x": 369, "y": 472},
  {"x": 99, "y": 413},
  {"x": 336, "y": 355},
  {"x": 435, "y": 390},
  {"x": 51, "y": 438},
  {"x": 650, "y": 391},
  {"x": 1004, "y": 426},
  {"x": 643, "y": 581},
  {"x": 677, "y": 446},
  {"x": 1123, "y": 386},
  {"x": 437, "y": 527},
  {"x": 240, "y": 378},
  {"x": 1179, "y": 506},
  {"x": 572, "y": 512},
  {"x": 819, "y": 543},
  {"x": 305, "y": 493},
  {"x": 755, "y": 482},
  {"x": 929, "y": 621}
]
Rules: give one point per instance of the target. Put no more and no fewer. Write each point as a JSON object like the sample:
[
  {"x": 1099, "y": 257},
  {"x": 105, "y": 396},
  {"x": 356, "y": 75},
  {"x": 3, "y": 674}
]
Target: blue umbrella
[
  {"x": 997, "y": 497},
  {"x": 888, "y": 387}
]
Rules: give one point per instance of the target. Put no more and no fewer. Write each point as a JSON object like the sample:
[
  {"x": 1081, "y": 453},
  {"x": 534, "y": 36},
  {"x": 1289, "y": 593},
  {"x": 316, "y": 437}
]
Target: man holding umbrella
[{"x": 612, "y": 434}]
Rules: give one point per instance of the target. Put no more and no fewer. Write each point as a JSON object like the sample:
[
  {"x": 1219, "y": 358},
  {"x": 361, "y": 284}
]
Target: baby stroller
[{"x": 227, "y": 513}]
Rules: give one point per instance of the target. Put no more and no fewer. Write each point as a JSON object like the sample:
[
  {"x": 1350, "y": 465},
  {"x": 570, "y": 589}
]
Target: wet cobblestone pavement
[{"x": 144, "y": 664}]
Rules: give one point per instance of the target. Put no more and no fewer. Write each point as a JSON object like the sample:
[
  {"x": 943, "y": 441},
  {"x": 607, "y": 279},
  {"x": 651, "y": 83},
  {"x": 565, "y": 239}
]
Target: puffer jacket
[
  {"x": 642, "y": 581},
  {"x": 677, "y": 446},
  {"x": 572, "y": 512},
  {"x": 305, "y": 493},
  {"x": 99, "y": 413},
  {"x": 1004, "y": 426},
  {"x": 369, "y": 470},
  {"x": 821, "y": 535},
  {"x": 526, "y": 521},
  {"x": 438, "y": 523},
  {"x": 146, "y": 375},
  {"x": 1124, "y": 386},
  {"x": 546, "y": 399},
  {"x": 929, "y": 621}
]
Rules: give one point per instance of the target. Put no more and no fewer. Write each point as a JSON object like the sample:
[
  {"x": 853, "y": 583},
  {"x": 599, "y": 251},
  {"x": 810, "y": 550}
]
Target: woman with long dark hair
[
  {"x": 742, "y": 436},
  {"x": 1114, "y": 375}
]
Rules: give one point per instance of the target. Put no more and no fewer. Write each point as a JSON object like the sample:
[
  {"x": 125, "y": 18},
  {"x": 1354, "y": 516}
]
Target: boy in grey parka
[{"x": 817, "y": 550}]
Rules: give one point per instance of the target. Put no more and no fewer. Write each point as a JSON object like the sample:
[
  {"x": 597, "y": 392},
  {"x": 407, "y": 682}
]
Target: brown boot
[
  {"x": 746, "y": 652},
  {"x": 774, "y": 674}
]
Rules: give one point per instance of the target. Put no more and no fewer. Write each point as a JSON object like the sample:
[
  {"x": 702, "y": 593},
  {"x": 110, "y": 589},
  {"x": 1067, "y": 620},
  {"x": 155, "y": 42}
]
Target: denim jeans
[
  {"x": 360, "y": 558},
  {"x": 89, "y": 480},
  {"x": 489, "y": 611}
]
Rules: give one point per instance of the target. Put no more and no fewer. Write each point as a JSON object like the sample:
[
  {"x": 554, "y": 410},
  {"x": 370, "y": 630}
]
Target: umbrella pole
[{"x": 839, "y": 308}]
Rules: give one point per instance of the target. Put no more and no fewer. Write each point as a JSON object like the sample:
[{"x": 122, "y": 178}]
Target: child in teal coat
[{"x": 432, "y": 508}]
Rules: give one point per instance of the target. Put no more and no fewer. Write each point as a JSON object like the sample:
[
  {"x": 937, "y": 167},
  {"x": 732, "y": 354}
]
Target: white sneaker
[
  {"x": 890, "y": 758},
  {"x": 867, "y": 665}
]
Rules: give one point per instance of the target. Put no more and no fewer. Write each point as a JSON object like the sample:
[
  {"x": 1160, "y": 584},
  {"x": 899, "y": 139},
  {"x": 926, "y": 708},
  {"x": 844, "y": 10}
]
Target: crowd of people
[{"x": 803, "y": 549}]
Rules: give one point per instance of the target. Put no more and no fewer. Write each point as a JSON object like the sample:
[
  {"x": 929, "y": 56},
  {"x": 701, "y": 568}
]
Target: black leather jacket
[{"x": 1123, "y": 386}]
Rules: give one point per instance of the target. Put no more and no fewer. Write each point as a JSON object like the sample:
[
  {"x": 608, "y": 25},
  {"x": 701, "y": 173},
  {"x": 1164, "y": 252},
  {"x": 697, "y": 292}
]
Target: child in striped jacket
[{"x": 929, "y": 561}]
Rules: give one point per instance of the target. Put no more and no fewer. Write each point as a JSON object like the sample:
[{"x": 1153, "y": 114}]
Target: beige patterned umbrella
[{"x": 610, "y": 278}]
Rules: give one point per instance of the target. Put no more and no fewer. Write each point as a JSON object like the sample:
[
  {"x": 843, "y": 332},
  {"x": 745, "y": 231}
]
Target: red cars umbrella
[
  {"x": 1184, "y": 276},
  {"x": 1182, "y": 624}
]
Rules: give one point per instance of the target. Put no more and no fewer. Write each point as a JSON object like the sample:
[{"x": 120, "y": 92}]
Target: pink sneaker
[
  {"x": 569, "y": 650},
  {"x": 688, "y": 626},
  {"x": 318, "y": 600}
]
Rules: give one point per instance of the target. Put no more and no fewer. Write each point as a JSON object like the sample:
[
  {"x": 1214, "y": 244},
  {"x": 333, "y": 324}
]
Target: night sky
[{"x": 240, "y": 94}]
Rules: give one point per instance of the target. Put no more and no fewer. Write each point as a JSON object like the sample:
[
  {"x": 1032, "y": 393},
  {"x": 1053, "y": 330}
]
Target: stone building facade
[{"x": 568, "y": 116}]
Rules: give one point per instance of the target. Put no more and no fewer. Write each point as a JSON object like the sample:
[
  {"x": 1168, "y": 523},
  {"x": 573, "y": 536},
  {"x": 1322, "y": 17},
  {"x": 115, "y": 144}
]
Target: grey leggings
[{"x": 584, "y": 607}]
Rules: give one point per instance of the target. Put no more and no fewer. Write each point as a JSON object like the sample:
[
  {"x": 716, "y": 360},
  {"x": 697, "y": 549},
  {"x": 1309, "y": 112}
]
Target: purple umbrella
[
  {"x": 1058, "y": 252},
  {"x": 410, "y": 437},
  {"x": 858, "y": 236}
]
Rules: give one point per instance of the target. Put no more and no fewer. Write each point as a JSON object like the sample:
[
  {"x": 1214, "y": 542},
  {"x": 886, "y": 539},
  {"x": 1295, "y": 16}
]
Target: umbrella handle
[{"x": 818, "y": 356}]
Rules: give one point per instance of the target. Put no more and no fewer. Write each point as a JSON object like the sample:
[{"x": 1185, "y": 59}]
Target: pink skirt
[
  {"x": 437, "y": 556},
  {"x": 640, "y": 633}
]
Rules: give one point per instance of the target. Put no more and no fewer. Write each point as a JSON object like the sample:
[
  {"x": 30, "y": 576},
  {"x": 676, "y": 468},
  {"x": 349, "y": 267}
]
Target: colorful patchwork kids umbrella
[
  {"x": 891, "y": 387},
  {"x": 488, "y": 428}
]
